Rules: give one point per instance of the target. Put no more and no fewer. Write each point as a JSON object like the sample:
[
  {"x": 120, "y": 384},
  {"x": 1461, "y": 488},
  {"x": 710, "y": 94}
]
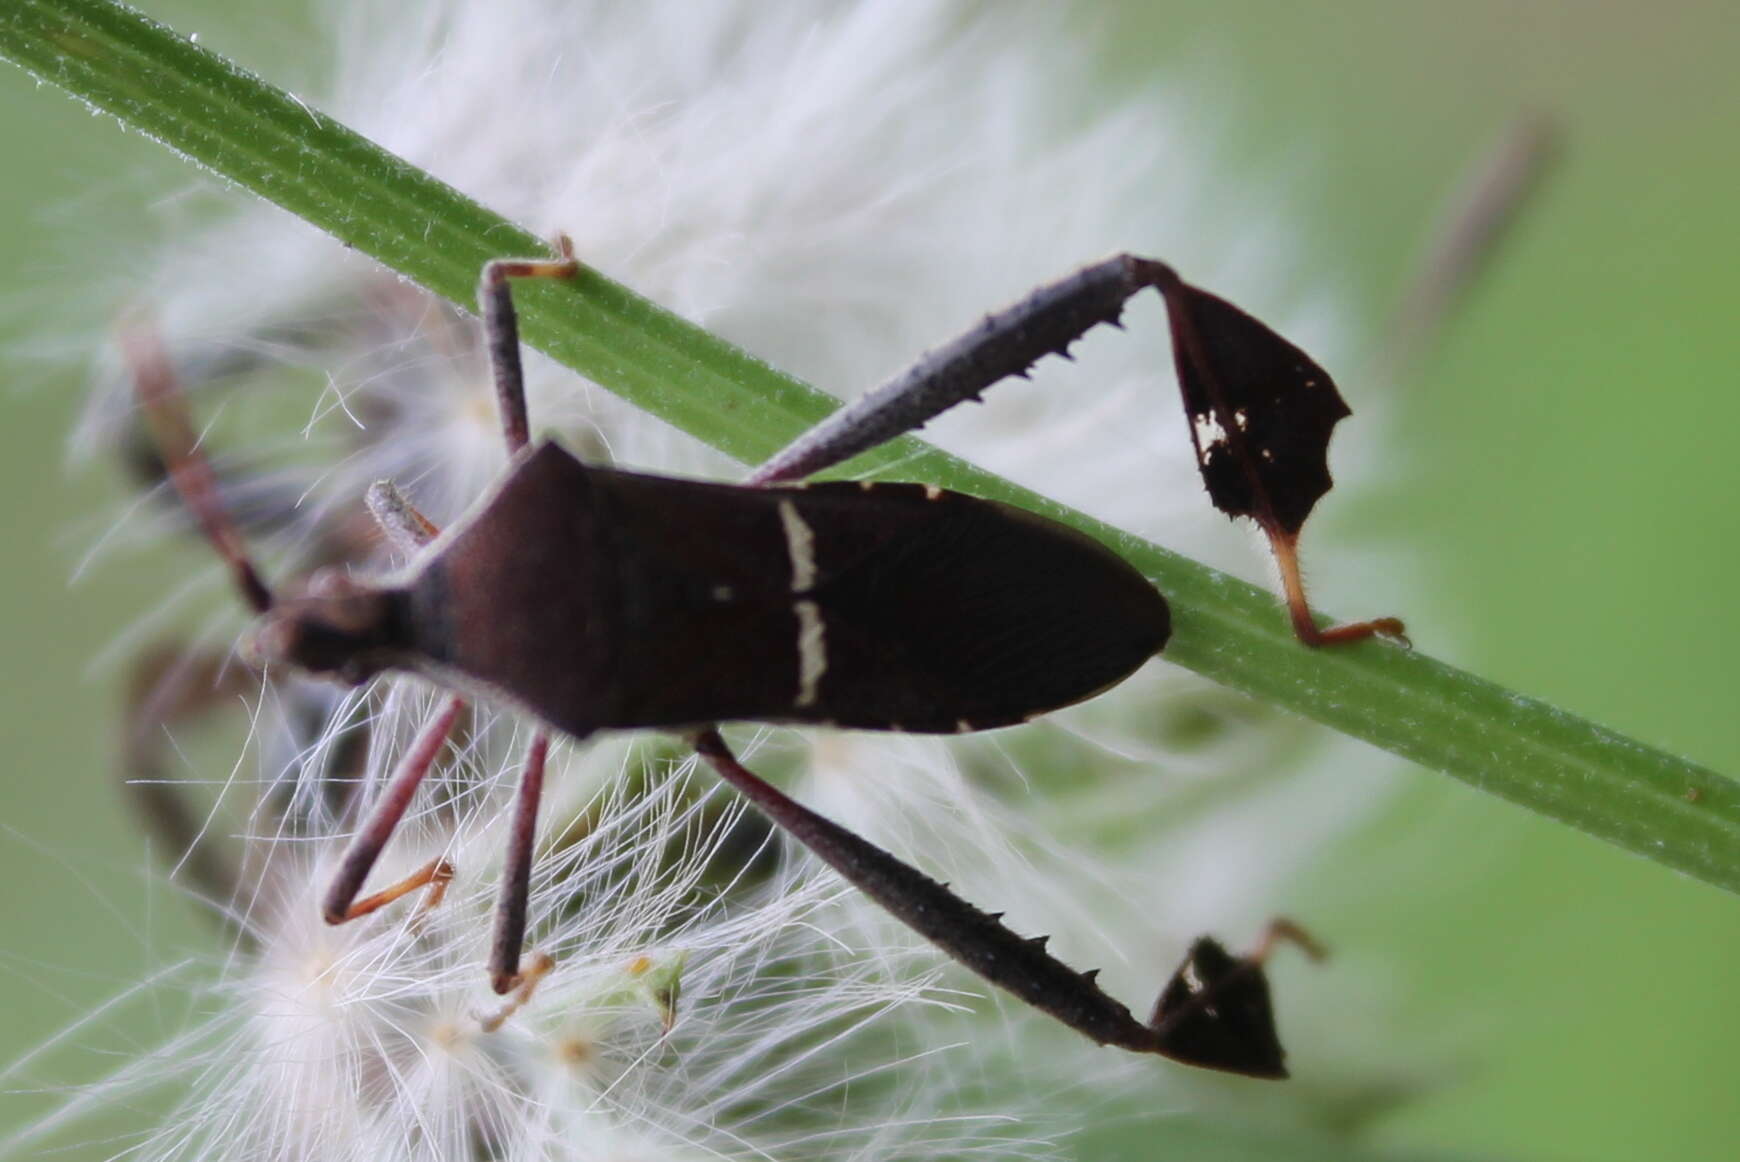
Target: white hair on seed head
[{"x": 836, "y": 188}]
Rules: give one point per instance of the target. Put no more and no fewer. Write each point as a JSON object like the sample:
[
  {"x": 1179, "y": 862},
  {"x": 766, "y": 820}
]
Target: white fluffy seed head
[
  {"x": 704, "y": 1000},
  {"x": 836, "y": 189}
]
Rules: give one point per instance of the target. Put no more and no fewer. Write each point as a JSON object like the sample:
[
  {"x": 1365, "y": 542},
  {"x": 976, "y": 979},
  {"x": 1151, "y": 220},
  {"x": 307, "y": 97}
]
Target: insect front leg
[
  {"x": 1260, "y": 409},
  {"x": 165, "y": 410}
]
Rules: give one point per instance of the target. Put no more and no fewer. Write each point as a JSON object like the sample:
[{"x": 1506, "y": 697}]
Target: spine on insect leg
[
  {"x": 977, "y": 939},
  {"x": 1008, "y": 342}
]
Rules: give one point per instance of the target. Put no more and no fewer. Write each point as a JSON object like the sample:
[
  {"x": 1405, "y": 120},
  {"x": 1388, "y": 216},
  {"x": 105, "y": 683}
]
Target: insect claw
[
  {"x": 522, "y": 985},
  {"x": 1392, "y": 628}
]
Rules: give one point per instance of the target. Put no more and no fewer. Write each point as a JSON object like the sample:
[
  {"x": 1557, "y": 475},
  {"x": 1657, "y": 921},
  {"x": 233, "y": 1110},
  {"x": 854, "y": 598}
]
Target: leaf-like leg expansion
[
  {"x": 978, "y": 939},
  {"x": 1216, "y": 1011}
]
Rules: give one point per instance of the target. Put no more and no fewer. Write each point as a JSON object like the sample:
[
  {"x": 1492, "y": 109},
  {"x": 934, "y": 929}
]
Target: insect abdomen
[
  {"x": 645, "y": 601},
  {"x": 894, "y": 606}
]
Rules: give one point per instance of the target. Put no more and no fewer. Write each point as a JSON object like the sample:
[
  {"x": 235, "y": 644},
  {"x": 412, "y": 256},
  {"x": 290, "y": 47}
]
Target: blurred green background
[{"x": 1564, "y": 474}]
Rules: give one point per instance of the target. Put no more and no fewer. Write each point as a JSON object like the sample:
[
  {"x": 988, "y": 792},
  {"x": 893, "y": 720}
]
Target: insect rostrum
[{"x": 594, "y": 598}]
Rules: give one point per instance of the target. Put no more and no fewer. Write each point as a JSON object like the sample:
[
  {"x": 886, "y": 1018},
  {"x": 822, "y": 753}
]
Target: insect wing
[
  {"x": 945, "y": 613},
  {"x": 600, "y": 598}
]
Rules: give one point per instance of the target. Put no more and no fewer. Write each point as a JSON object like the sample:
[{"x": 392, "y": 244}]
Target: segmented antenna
[{"x": 165, "y": 410}]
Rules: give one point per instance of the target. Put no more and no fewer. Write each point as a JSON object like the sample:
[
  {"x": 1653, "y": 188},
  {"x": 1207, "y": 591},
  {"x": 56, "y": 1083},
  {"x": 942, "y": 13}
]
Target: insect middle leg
[
  {"x": 501, "y": 333},
  {"x": 502, "y": 340},
  {"x": 411, "y": 530}
]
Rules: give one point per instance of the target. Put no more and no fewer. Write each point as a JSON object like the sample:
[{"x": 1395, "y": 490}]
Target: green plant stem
[{"x": 259, "y": 137}]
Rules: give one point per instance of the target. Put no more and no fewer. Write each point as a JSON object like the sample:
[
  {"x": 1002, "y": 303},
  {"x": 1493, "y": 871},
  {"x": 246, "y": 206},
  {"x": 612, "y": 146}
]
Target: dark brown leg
[
  {"x": 1018, "y": 964},
  {"x": 502, "y": 338},
  {"x": 1006, "y": 343},
  {"x": 510, "y": 913},
  {"x": 411, "y": 529},
  {"x": 366, "y": 848},
  {"x": 1237, "y": 375},
  {"x": 501, "y": 333},
  {"x": 166, "y": 413},
  {"x": 172, "y": 685}
]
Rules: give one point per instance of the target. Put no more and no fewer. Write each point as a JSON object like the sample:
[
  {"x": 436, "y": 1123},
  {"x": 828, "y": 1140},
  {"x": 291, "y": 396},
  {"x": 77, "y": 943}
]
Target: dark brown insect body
[
  {"x": 594, "y": 599},
  {"x": 676, "y": 603}
]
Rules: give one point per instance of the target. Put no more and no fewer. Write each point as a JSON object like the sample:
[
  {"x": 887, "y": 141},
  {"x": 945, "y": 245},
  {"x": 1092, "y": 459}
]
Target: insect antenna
[{"x": 165, "y": 410}]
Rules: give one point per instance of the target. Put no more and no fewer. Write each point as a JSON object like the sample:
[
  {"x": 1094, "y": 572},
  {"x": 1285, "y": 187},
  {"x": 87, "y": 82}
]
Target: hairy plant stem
[{"x": 259, "y": 137}]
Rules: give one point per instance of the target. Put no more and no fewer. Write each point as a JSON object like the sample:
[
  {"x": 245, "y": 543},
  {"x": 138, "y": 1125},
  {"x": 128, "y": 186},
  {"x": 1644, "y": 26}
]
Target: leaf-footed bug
[{"x": 599, "y": 599}]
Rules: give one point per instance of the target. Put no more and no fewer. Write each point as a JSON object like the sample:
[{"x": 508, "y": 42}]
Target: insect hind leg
[
  {"x": 1227, "y": 366},
  {"x": 982, "y": 943},
  {"x": 1005, "y": 343}
]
